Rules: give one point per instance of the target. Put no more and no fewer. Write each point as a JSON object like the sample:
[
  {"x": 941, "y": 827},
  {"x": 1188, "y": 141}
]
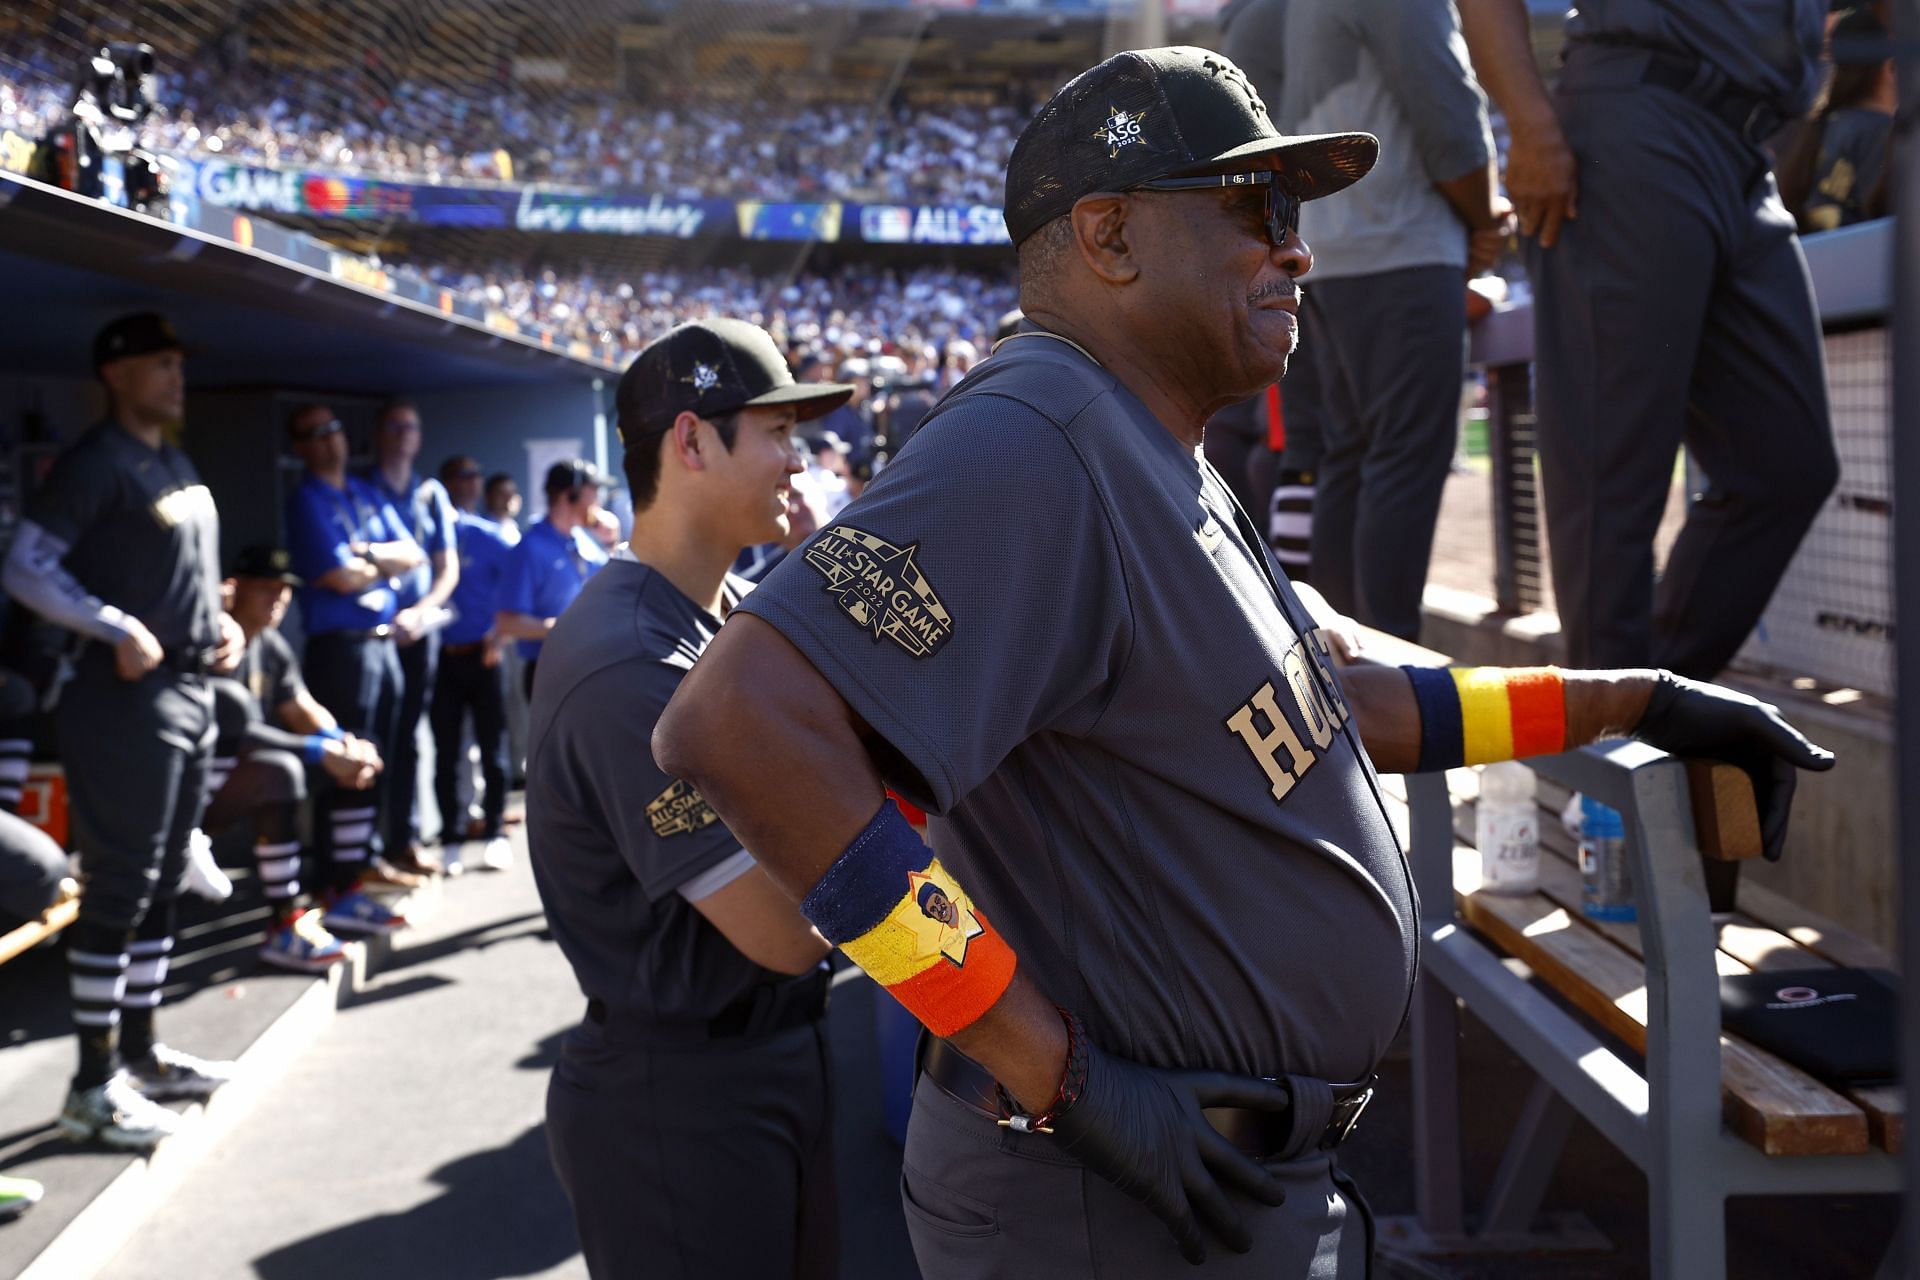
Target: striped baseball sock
[
  {"x": 146, "y": 974},
  {"x": 96, "y": 981},
  {"x": 15, "y": 756},
  {"x": 279, "y": 872},
  {"x": 1290, "y": 522},
  {"x": 219, "y": 769},
  {"x": 352, "y": 836}
]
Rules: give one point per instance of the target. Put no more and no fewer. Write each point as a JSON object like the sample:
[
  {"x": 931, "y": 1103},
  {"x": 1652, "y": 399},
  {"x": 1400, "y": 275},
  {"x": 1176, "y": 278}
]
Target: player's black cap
[
  {"x": 264, "y": 562},
  {"x": 1154, "y": 113},
  {"x": 141, "y": 334},
  {"x": 712, "y": 368},
  {"x": 576, "y": 473}
]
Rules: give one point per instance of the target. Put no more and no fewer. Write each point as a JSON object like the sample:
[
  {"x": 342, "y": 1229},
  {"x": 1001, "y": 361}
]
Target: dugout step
[{"x": 221, "y": 1003}]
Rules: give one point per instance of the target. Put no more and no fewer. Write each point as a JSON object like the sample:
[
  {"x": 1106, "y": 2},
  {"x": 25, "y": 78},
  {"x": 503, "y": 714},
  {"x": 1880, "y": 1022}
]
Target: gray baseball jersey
[
  {"x": 1144, "y": 771},
  {"x": 612, "y": 838}
]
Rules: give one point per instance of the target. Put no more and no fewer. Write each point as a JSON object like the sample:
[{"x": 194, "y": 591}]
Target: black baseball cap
[
  {"x": 264, "y": 562},
  {"x": 1157, "y": 113},
  {"x": 712, "y": 368},
  {"x": 576, "y": 473},
  {"x": 140, "y": 334}
]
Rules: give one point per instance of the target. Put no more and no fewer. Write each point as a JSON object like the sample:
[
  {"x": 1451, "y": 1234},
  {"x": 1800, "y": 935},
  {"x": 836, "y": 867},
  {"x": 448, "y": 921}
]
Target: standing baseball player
[
  {"x": 121, "y": 545},
  {"x": 1164, "y": 932},
  {"x": 1643, "y": 178},
  {"x": 689, "y": 1115},
  {"x": 418, "y": 596},
  {"x": 551, "y": 562},
  {"x": 349, "y": 546}
]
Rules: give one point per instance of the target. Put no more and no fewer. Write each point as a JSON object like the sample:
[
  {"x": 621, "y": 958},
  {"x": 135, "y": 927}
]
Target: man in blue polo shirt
[
  {"x": 349, "y": 546},
  {"x": 552, "y": 562},
  {"x": 471, "y": 681},
  {"x": 420, "y": 596}
]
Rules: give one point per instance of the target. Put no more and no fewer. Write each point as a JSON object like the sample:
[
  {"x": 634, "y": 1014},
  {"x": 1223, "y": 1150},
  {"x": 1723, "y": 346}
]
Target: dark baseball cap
[
  {"x": 140, "y": 334},
  {"x": 1157, "y": 113},
  {"x": 576, "y": 473},
  {"x": 713, "y": 368},
  {"x": 264, "y": 562}
]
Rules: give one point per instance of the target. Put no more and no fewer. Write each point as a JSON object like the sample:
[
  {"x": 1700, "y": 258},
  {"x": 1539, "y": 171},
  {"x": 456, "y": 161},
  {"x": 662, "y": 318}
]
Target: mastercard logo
[{"x": 325, "y": 197}]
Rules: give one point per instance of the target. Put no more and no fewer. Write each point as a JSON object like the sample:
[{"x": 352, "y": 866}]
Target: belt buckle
[{"x": 1346, "y": 1115}]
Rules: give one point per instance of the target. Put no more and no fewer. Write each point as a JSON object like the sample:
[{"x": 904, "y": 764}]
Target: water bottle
[
  {"x": 1606, "y": 878},
  {"x": 1506, "y": 829}
]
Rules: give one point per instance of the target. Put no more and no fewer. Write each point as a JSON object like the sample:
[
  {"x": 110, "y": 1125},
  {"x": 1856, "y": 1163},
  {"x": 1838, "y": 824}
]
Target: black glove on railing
[
  {"x": 1687, "y": 718},
  {"x": 1141, "y": 1129}
]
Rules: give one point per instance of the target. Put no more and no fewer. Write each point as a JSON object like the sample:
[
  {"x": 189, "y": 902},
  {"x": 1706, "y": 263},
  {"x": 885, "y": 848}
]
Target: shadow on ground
[{"x": 500, "y": 1214}]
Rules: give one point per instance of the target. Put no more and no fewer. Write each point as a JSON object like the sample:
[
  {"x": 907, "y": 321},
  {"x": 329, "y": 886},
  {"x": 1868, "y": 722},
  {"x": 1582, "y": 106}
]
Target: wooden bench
[
  {"x": 34, "y": 932},
  {"x": 1704, "y": 1114}
]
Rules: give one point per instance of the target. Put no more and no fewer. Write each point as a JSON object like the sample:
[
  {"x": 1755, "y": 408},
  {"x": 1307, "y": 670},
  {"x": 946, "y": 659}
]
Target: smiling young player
[{"x": 697, "y": 1084}]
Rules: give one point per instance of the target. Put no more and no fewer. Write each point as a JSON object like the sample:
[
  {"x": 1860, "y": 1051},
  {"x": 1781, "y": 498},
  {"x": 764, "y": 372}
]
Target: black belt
[
  {"x": 1260, "y": 1134},
  {"x": 764, "y": 1011},
  {"x": 1749, "y": 115},
  {"x": 461, "y": 650},
  {"x": 381, "y": 632},
  {"x": 187, "y": 661}
]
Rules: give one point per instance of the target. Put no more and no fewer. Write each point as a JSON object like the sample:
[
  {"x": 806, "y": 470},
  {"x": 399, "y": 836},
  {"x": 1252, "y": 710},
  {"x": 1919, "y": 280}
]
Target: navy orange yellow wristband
[
  {"x": 898, "y": 914},
  {"x": 1479, "y": 715}
]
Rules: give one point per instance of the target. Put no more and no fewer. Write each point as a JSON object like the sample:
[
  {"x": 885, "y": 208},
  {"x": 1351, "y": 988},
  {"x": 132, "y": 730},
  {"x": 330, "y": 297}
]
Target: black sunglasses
[
  {"x": 1283, "y": 207},
  {"x": 321, "y": 429}
]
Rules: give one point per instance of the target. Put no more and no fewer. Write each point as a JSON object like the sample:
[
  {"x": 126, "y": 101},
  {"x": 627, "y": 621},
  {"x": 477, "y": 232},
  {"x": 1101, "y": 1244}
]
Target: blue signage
[{"x": 626, "y": 213}]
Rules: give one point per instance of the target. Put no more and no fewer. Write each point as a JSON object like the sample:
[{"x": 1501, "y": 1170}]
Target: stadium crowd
[
  {"x": 858, "y": 309},
  {"x": 946, "y": 153}
]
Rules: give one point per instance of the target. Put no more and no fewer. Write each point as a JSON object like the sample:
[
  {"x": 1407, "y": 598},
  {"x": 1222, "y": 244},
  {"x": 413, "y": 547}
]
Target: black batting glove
[
  {"x": 1141, "y": 1129},
  {"x": 1687, "y": 718}
]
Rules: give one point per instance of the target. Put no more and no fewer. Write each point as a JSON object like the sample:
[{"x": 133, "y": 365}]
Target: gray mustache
[{"x": 1287, "y": 290}]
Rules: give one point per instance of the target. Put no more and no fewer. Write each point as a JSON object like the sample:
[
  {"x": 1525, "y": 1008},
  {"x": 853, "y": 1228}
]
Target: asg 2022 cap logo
[
  {"x": 880, "y": 587},
  {"x": 704, "y": 378},
  {"x": 1120, "y": 129}
]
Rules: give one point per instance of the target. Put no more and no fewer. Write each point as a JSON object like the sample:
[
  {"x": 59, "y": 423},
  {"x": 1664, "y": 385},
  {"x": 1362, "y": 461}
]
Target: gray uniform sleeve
[
  {"x": 34, "y": 575},
  {"x": 665, "y": 831},
  {"x": 1423, "y": 56},
  {"x": 972, "y": 597}
]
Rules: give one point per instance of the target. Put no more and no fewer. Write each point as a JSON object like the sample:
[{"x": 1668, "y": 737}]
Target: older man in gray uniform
[
  {"x": 1673, "y": 305},
  {"x": 1049, "y": 623}
]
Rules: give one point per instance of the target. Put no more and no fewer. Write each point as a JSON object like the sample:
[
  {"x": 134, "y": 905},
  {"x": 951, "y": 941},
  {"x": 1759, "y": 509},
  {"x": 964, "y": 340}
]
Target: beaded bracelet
[{"x": 1073, "y": 1083}]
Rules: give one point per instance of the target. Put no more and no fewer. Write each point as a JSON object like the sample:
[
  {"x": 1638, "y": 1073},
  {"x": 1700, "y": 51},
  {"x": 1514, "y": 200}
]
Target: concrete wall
[{"x": 494, "y": 426}]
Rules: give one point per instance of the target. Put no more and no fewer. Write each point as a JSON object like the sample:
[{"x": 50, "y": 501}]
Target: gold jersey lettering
[
  {"x": 184, "y": 505},
  {"x": 1266, "y": 747},
  {"x": 1314, "y": 712}
]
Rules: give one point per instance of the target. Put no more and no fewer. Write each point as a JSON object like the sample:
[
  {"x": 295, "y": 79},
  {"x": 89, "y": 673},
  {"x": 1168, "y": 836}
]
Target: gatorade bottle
[
  {"x": 1506, "y": 829},
  {"x": 1606, "y": 879}
]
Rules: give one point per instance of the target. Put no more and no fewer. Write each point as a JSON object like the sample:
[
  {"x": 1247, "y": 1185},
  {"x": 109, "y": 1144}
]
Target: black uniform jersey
[
  {"x": 611, "y": 837},
  {"x": 1046, "y": 608},
  {"x": 271, "y": 673},
  {"x": 141, "y": 530}
]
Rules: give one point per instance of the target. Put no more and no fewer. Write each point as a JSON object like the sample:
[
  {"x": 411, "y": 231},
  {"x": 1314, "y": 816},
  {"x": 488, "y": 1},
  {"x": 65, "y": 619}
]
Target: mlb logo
[{"x": 886, "y": 223}]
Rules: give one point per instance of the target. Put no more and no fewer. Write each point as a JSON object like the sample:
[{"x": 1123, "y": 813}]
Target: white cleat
[
  {"x": 204, "y": 875},
  {"x": 118, "y": 1115},
  {"x": 497, "y": 854}
]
